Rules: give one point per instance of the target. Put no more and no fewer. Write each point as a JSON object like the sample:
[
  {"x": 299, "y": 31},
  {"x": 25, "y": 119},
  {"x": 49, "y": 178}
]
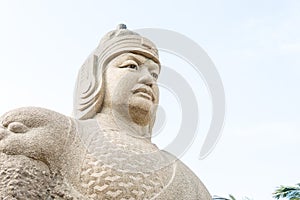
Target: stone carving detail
[{"x": 105, "y": 150}]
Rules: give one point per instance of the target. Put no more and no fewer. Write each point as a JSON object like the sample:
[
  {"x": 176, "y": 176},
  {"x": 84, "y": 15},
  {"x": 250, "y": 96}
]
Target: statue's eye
[
  {"x": 154, "y": 75},
  {"x": 132, "y": 66},
  {"x": 17, "y": 127}
]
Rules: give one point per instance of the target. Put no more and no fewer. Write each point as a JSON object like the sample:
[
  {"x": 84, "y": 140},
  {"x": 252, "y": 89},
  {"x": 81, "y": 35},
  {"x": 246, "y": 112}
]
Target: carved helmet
[{"x": 89, "y": 91}]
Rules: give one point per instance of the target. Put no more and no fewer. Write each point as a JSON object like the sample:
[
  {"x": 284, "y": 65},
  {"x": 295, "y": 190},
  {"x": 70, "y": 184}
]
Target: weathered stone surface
[{"x": 105, "y": 151}]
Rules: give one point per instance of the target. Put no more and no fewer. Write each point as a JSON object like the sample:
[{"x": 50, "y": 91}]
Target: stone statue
[{"x": 105, "y": 150}]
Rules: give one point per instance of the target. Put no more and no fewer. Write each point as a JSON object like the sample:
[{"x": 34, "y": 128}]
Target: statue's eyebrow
[{"x": 132, "y": 57}]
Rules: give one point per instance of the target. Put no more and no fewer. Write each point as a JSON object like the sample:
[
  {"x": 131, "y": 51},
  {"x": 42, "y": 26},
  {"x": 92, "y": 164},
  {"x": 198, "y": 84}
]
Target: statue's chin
[{"x": 140, "y": 110}]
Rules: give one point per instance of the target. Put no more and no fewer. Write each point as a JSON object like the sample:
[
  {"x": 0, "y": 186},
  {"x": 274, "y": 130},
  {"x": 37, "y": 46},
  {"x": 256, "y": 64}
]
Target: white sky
[{"x": 255, "y": 46}]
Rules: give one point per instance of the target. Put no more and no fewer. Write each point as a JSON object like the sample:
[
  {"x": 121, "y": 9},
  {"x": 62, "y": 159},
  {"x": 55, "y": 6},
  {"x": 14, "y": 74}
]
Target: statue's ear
[{"x": 87, "y": 98}]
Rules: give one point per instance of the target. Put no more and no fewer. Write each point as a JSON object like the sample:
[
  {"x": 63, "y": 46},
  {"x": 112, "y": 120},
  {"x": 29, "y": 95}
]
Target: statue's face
[{"x": 131, "y": 87}]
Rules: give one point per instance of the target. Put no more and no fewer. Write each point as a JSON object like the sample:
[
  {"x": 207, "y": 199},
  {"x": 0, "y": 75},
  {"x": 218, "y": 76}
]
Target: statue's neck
[{"x": 111, "y": 120}]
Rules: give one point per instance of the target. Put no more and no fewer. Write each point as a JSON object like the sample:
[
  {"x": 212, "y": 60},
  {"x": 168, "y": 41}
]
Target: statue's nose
[{"x": 146, "y": 79}]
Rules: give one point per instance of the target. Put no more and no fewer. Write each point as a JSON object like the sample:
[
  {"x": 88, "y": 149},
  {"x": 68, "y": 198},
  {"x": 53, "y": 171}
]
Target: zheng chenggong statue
[{"x": 105, "y": 150}]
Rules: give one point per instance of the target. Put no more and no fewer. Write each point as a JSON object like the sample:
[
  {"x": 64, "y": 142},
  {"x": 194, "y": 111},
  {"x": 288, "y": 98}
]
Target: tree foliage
[{"x": 288, "y": 192}]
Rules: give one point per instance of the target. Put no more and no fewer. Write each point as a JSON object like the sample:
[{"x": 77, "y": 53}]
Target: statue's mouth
[{"x": 145, "y": 92}]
